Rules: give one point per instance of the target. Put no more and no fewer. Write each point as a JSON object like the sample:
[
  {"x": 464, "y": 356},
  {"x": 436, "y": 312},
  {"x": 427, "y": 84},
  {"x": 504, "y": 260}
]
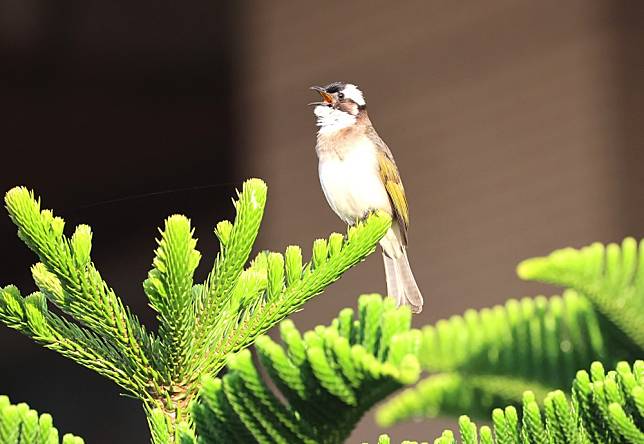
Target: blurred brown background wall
[
  {"x": 517, "y": 126},
  {"x": 118, "y": 114}
]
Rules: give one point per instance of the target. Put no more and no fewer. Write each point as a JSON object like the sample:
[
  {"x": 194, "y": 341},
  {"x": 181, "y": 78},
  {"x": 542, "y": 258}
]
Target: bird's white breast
[{"x": 349, "y": 174}]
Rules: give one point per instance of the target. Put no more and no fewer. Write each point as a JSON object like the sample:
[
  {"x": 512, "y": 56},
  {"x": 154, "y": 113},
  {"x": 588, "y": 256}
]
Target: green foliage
[
  {"x": 169, "y": 288},
  {"x": 488, "y": 358},
  {"x": 611, "y": 276},
  {"x": 21, "y": 425},
  {"x": 199, "y": 325},
  {"x": 328, "y": 378},
  {"x": 605, "y": 408},
  {"x": 544, "y": 339},
  {"x": 314, "y": 387}
]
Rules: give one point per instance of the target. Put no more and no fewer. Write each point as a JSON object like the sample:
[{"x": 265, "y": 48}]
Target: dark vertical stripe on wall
[{"x": 118, "y": 114}]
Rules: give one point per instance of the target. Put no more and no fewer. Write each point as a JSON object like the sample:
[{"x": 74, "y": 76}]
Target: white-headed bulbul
[{"x": 359, "y": 175}]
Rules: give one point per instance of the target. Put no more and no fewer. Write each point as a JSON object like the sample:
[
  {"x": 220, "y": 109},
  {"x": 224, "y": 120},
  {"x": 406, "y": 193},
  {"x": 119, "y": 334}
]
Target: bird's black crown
[{"x": 335, "y": 87}]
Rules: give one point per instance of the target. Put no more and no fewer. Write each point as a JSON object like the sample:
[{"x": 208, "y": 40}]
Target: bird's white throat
[{"x": 331, "y": 119}]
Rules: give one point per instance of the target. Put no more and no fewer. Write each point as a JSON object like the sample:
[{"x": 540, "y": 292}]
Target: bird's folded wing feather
[{"x": 391, "y": 179}]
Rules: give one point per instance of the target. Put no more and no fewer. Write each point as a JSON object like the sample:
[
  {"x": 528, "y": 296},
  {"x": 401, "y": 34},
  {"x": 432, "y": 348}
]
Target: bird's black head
[{"x": 343, "y": 96}]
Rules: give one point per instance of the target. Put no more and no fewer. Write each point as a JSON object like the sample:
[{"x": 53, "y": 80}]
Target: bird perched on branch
[{"x": 359, "y": 175}]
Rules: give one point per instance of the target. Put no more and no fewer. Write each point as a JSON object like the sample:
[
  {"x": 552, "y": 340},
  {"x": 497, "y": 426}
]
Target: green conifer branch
[
  {"x": 68, "y": 278},
  {"x": 21, "y": 425},
  {"x": 329, "y": 377},
  {"x": 540, "y": 339},
  {"x": 31, "y": 317},
  {"x": 275, "y": 286},
  {"x": 236, "y": 242},
  {"x": 489, "y": 357},
  {"x": 611, "y": 276},
  {"x": 451, "y": 394},
  {"x": 605, "y": 408},
  {"x": 199, "y": 325},
  {"x": 169, "y": 289},
  {"x": 166, "y": 431}
]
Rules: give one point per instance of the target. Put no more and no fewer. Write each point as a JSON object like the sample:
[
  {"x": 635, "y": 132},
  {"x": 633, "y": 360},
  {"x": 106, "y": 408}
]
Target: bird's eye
[{"x": 340, "y": 96}]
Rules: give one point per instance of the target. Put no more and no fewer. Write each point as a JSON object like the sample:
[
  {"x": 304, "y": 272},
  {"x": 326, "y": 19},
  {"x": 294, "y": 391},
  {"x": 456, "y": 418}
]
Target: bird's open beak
[{"x": 326, "y": 97}]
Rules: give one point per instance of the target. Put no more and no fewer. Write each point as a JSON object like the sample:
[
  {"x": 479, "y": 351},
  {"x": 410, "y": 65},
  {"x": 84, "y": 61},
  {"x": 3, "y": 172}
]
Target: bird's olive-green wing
[{"x": 391, "y": 179}]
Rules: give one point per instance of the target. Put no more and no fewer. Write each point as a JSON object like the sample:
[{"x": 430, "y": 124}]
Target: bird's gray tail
[{"x": 401, "y": 284}]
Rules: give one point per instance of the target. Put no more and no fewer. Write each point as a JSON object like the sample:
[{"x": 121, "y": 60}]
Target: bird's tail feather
[
  {"x": 401, "y": 283},
  {"x": 391, "y": 276}
]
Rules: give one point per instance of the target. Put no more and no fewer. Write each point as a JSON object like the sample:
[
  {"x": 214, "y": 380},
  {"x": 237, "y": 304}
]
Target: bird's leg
[
  {"x": 359, "y": 219},
  {"x": 366, "y": 214},
  {"x": 362, "y": 218}
]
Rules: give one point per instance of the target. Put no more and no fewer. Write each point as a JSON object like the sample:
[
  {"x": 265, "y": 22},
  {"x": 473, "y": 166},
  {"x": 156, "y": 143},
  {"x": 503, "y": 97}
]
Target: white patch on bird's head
[
  {"x": 352, "y": 92},
  {"x": 331, "y": 119}
]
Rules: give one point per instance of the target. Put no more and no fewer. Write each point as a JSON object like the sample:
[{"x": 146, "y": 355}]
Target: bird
[{"x": 359, "y": 175}]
